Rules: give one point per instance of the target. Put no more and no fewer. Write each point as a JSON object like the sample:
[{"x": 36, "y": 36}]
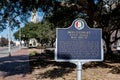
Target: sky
[{"x": 5, "y": 32}]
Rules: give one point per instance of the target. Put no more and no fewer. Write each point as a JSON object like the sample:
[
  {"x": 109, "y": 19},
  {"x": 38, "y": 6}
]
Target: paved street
[
  {"x": 4, "y": 50},
  {"x": 15, "y": 67}
]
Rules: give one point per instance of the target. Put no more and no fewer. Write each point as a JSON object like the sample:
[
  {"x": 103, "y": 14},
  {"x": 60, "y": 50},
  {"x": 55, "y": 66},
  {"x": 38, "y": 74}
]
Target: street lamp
[{"x": 9, "y": 37}]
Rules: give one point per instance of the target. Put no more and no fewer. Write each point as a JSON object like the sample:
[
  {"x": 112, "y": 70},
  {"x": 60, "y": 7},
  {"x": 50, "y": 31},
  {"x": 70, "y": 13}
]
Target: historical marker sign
[{"x": 79, "y": 42}]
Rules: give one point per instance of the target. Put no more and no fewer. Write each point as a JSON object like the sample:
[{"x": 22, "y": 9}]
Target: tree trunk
[
  {"x": 108, "y": 47},
  {"x": 52, "y": 42},
  {"x": 109, "y": 52}
]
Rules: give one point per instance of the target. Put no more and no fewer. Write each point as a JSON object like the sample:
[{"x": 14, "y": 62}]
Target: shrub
[{"x": 33, "y": 53}]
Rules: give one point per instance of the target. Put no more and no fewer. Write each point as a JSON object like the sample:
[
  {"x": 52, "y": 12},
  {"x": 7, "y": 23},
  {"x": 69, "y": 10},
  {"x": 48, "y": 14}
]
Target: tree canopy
[
  {"x": 59, "y": 12},
  {"x": 42, "y": 31},
  {"x": 103, "y": 14}
]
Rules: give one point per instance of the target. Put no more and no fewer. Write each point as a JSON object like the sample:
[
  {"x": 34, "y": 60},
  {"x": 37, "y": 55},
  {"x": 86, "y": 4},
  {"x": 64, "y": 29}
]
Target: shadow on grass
[
  {"x": 55, "y": 73},
  {"x": 14, "y": 65},
  {"x": 44, "y": 60},
  {"x": 107, "y": 63},
  {"x": 112, "y": 58}
]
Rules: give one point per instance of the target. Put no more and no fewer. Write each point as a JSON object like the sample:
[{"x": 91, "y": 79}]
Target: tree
[
  {"x": 13, "y": 12},
  {"x": 3, "y": 41},
  {"x": 109, "y": 21},
  {"x": 46, "y": 32},
  {"x": 27, "y": 32},
  {"x": 42, "y": 31}
]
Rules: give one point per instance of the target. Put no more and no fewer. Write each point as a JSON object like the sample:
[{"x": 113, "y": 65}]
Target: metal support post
[{"x": 79, "y": 71}]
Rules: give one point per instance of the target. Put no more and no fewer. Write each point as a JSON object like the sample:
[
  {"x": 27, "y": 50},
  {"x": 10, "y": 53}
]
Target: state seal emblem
[{"x": 79, "y": 24}]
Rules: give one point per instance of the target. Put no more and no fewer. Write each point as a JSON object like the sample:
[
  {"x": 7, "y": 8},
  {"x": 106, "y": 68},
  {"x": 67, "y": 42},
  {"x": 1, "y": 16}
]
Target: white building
[
  {"x": 17, "y": 43},
  {"x": 34, "y": 16},
  {"x": 33, "y": 42}
]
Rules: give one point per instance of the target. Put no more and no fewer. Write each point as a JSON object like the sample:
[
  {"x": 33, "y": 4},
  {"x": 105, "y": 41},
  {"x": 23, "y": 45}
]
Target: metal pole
[
  {"x": 9, "y": 37},
  {"x": 79, "y": 70},
  {"x": 20, "y": 38}
]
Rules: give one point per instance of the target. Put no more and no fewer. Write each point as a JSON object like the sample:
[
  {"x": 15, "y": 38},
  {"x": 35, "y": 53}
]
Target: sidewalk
[{"x": 15, "y": 67}]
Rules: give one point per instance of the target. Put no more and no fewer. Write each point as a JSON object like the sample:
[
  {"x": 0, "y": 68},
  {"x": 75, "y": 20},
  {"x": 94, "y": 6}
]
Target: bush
[{"x": 33, "y": 53}]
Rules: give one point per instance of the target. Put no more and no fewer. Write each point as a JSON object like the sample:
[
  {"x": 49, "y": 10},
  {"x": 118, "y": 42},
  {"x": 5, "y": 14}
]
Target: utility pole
[
  {"x": 9, "y": 31},
  {"x": 9, "y": 36}
]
